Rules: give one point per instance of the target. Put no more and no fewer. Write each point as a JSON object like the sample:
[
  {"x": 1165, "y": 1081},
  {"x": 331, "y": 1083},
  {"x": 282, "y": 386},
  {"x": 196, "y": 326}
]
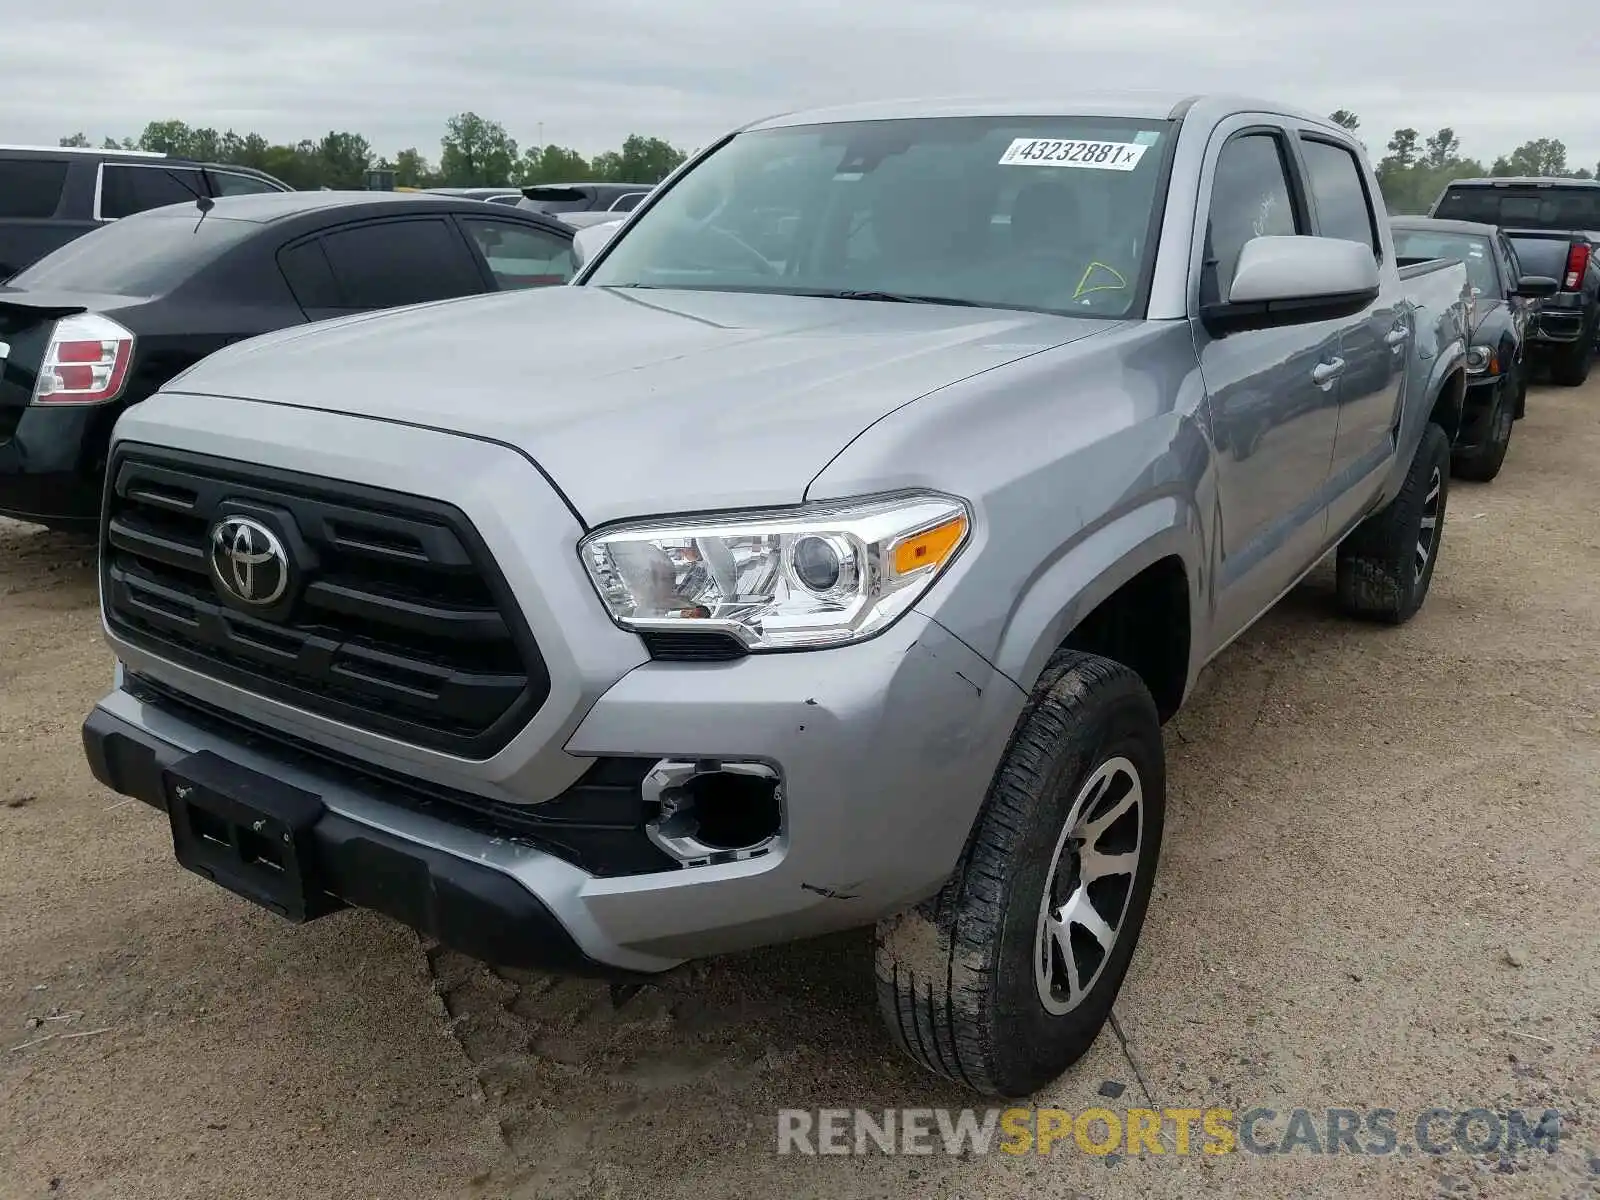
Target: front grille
[{"x": 398, "y": 622}]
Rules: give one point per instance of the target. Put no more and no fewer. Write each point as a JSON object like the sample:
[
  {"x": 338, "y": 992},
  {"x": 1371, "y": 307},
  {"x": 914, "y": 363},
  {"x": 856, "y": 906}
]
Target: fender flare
[
  {"x": 1088, "y": 570},
  {"x": 1450, "y": 365}
]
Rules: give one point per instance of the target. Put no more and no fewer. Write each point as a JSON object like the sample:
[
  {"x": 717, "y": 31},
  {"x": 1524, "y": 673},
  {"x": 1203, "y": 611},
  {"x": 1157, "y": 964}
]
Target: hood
[{"x": 639, "y": 402}]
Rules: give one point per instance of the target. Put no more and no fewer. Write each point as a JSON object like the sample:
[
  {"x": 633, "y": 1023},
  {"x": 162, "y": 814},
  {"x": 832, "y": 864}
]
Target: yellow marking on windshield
[{"x": 1084, "y": 289}]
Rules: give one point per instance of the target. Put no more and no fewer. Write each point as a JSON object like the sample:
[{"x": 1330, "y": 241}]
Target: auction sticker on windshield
[{"x": 1056, "y": 152}]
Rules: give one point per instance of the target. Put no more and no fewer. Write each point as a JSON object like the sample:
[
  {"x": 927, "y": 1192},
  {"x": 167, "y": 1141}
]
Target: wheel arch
[{"x": 1131, "y": 590}]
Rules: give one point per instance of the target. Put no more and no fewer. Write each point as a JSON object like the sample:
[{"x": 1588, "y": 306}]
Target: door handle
[
  {"x": 1323, "y": 374},
  {"x": 1396, "y": 336}
]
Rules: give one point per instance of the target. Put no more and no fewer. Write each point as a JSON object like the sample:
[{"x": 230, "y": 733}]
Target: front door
[{"x": 1273, "y": 393}]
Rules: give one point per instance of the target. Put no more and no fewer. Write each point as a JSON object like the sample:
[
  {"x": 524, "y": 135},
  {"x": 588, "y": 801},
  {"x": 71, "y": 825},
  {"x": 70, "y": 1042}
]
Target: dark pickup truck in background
[
  {"x": 1554, "y": 229},
  {"x": 50, "y": 195}
]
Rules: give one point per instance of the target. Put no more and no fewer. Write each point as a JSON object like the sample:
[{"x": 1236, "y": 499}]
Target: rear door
[
  {"x": 380, "y": 263},
  {"x": 1372, "y": 344},
  {"x": 1274, "y": 407}
]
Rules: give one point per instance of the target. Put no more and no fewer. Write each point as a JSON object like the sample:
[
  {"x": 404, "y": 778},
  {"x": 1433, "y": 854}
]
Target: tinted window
[
  {"x": 387, "y": 263},
  {"x": 1523, "y": 207},
  {"x": 146, "y": 256},
  {"x": 30, "y": 188},
  {"x": 1474, "y": 251},
  {"x": 910, "y": 206},
  {"x": 627, "y": 202},
  {"x": 1339, "y": 193},
  {"x": 227, "y": 183},
  {"x": 125, "y": 190},
  {"x": 520, "y": 256},
  {"x": 305, "y": 269},
  {"x": 1250, "y": 198}
]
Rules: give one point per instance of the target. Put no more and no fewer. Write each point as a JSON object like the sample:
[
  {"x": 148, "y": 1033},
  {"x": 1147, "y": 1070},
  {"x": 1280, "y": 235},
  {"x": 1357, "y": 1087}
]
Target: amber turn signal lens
[{"x": 929, "y": 547}]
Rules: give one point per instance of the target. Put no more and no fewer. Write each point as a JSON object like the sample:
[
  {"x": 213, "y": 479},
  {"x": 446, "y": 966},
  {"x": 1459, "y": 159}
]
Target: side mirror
[
  {"x": 1536, "y": 287},
  {"x": 1295, "y": 280},
  {"x": 590, "y": 240}
]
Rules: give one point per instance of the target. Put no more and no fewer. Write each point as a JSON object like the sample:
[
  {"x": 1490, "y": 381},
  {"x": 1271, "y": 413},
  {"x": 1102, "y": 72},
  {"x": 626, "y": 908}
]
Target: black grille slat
[
  {"x": 401, "y": 623},
  {"x": 480, "y": 624}
]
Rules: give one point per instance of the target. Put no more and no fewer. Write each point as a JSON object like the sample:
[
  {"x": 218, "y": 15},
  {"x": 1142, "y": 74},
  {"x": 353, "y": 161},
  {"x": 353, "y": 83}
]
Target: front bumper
[
  {"x": 463, "y": 904},
  {"x": 1557, "y": 326},
  {"x": 885, "y": 749}
]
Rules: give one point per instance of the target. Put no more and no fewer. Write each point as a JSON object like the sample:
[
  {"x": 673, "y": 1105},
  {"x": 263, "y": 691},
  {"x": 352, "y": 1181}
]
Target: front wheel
[
  {"x": 1386, "y": 563},
  {"x": 1482, "y": 463},
  {"x": 1569, "y": 366},
  {"x": 1004, "y": 979}
]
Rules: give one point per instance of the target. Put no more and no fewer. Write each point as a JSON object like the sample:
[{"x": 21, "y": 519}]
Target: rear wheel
[
  {"x": 1386, "y": 563},
  {"x": 1004, "y": 979}
]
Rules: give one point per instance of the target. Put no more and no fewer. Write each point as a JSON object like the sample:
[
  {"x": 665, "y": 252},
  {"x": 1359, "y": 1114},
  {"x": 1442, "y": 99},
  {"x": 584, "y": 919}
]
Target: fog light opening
[{"x": 714, "y": 811}]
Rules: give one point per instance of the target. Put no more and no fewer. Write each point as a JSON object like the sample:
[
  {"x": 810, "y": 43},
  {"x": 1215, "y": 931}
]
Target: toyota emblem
[{"x": 249, "y": 561}]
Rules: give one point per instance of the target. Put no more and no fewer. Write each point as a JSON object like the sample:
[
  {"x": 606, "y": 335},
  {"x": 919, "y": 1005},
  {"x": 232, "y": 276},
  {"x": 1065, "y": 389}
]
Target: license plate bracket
[{"x": 247, "y": 832}]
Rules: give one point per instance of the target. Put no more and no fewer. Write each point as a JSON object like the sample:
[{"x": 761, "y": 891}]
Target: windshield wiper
[{"x": 888, "y": 297}]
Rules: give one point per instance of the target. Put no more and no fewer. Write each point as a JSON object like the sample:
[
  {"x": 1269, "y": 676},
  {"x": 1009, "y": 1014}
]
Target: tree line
[
  {"x": 478, "y": 152},
  {"x": 1416, "y": 169},
  {"x": 474, "y": 152}
]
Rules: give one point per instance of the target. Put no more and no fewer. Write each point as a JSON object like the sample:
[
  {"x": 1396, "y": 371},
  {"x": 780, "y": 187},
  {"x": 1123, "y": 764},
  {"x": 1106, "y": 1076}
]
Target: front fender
[{"x": 1090, "y": 569}]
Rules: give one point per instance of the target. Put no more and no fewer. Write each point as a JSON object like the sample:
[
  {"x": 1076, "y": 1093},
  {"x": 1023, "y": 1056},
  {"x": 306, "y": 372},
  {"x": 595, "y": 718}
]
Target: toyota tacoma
[{"x": 742, "y": 593}]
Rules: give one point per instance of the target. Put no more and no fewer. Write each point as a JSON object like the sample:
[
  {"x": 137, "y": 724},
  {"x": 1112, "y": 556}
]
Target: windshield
[
  {"x": 1048, "y": 214},
  {"x": 146, "y": 255},
  {"x": 1474, "y": 251},
  {"x": 1522, "y": 207}
]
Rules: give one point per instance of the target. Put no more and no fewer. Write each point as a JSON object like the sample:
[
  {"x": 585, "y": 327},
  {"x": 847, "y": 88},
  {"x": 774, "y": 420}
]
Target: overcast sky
[{"x": 589, "y": 72}]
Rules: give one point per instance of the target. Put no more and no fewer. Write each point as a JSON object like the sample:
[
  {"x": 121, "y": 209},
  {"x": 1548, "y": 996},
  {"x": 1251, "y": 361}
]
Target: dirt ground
[{"x": 1378, "y": 891}]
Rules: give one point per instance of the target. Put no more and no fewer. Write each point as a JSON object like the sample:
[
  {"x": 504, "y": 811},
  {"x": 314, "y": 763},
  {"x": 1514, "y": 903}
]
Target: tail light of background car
[
  {"x": 1577, "y": 264},
  {"x": 86, "y": 361}
]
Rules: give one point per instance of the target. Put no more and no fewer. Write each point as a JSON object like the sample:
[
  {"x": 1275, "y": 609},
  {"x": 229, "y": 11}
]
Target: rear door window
[
  {"x": 305, "y": 269},
  {"x": 126, "y": 189},
  {"x": 1339, "y": 193},
  {"x": 520, "y": 256},
  {"x": 381, "y": 264},
  {"x": 30, "y": 188}
]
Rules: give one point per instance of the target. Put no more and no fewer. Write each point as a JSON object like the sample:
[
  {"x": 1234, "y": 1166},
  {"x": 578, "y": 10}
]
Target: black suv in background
[
  {"x": 52, "y": 194},
  {"x": 1554, "y": 228}
]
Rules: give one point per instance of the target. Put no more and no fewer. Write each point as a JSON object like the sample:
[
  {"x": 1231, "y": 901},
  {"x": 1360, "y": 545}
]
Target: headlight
[
  {"x": 818, "y": 575},
  {"x": 1481, "y": 359}
]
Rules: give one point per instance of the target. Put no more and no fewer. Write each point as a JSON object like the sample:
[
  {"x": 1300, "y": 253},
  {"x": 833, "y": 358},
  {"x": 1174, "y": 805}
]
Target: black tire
[
  {"x": 1569, "y": 366},
  {"x": 1522, "y": 389},
  {"x": 1378, "y": 579},
  {"x": 959, "y": 975},
  {"x": 1482, "y": 463}
]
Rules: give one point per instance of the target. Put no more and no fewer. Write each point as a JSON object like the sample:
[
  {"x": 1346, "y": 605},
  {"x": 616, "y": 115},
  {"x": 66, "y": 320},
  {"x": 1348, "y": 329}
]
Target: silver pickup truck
[{"x": 829, "y": 554}]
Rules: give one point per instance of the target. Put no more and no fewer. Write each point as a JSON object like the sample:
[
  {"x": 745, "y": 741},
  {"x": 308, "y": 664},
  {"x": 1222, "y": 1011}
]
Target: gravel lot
[{"x": 1378, "y": 891}]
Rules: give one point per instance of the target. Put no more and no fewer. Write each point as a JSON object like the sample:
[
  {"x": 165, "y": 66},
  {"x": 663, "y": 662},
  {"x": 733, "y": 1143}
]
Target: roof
[
  {"x": 266, "y": 207},
  {"x": 1475, "y": 228},
  {"x": 94, "y": 150},
  {"x": 1526, "y": 181},
  {"x": 1137, "y": 104}
]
